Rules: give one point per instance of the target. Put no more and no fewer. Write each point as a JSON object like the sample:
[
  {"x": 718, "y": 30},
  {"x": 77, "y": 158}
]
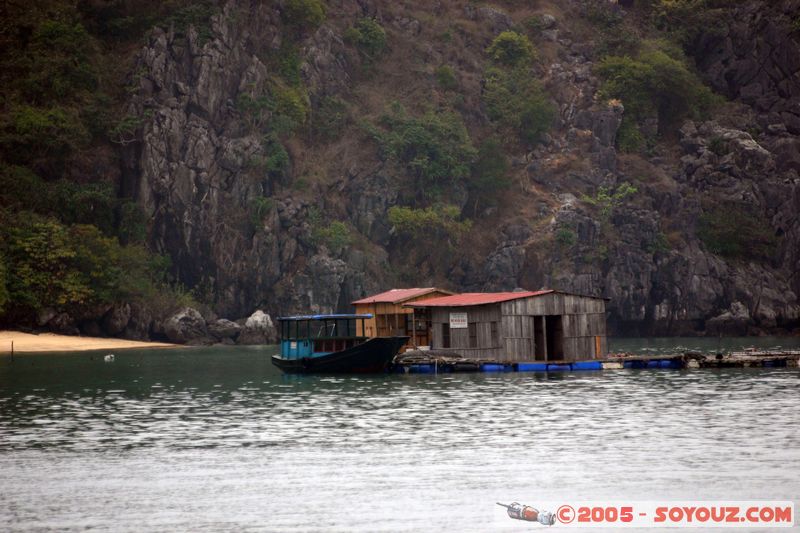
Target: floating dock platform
[{"x": 432, "y": 362}]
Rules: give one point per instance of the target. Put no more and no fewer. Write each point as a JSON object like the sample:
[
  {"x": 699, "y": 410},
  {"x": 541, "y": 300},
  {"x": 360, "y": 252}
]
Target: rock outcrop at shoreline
[
  {"x": 185, "y": 326},
  {"x": 257, "y": 329}
]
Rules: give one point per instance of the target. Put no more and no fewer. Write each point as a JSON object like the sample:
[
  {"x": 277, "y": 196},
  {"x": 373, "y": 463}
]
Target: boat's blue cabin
[{"x": 316, "y": 335}]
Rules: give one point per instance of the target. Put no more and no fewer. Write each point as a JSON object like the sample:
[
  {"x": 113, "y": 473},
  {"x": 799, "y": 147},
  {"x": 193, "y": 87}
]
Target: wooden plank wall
[
  {"x": 583, "y": 319},
  {"x": 580, "y": 331},
  {"x": 518, "y": 337},
  {"x": 383, "y": 308},
  {"x": 482, "y": 316},
  {"x": 371, "y": 324}
]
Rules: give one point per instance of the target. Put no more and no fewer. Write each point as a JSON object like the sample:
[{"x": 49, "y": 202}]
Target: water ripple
[{"x": 228, "y": 444}]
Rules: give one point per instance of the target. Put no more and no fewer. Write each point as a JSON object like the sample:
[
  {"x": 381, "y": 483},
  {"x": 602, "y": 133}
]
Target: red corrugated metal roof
[
  {"x": 476, "y": 298},
  {"x": 396, "y": 296}
]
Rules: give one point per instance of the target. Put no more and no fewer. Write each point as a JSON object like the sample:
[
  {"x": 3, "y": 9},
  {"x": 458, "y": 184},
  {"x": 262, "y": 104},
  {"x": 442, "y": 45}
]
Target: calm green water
[
  {"x": 215, "y": 439},
  {"x": 674, "y": 345}
]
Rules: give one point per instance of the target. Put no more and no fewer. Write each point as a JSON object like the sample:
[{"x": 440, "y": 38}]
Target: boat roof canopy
[{"x": 323, "y": 317}]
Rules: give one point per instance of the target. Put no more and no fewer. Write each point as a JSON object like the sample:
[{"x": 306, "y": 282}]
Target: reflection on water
[{"x": 215, "y": 439}]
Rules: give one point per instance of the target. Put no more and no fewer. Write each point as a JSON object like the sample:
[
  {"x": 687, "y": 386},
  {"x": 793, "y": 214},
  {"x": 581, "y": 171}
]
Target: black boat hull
[{"x": 370, "y": 357}]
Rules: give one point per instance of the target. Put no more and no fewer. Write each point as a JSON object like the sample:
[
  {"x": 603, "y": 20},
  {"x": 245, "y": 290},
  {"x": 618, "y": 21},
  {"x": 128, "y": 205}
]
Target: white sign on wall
[{"x": 458, "y": 320}]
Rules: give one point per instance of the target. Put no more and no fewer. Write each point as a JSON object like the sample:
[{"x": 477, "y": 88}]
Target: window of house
[
  {"x": 495, "y": 335},
  {"x": 417, "y": 325},
  {"x": 445, "y": 335},
  {"x": 473, "y": 334}
]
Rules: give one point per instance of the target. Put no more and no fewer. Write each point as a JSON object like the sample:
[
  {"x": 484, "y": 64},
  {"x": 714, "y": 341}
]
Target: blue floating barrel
[
  {"x": 558, "y": 368},
  {"x": 669, "y": 363},
  {"x": 421, "y": 369},
  {"x": 653, "y": 364},
  {"x": 634, "y": 364},
  {"x": 587, "y": 365},
  {"x": 531, "y": 367},
  {"x": 491, "y": 367}
]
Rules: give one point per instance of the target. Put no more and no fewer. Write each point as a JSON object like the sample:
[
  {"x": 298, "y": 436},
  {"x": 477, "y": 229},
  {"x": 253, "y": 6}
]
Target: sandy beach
[{"x": 50, "y": 342}]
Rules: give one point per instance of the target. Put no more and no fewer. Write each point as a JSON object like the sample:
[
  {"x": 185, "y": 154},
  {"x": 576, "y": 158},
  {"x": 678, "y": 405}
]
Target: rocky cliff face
[
  {"x": 191, "y": 170},
  {"x": 688, "y": 289}
]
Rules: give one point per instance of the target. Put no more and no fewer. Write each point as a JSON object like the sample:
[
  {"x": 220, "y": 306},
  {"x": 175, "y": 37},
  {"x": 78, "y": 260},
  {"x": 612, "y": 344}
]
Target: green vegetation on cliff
[
  {"x": 736, "y": 231},
  {"x": 607, "y": 200},
  {"x": 67, "y": 241},
  {"x": 303, "y": 14},
  {"x": 431, "y": 237},
  {"x": 514, "y": 97},
  {"x": 440, "y": 223},
  {"x": 329, "y": 118},
  {"x": 73, "y": 267},
  {"x": 656, "y": 86},
  {"x": 490, "y": 173},
  {"x": 684, "y": 20},
  {"x": 446, "y": 78},
  {"x": 368, "y": 36},
  {"x": 516, "y": 100},
  {"x": 434, "y": 149},
  {"x": 4, "y": 296},
  {"x": 334, "y": 235},
  {"x": 511, "y": 49}
]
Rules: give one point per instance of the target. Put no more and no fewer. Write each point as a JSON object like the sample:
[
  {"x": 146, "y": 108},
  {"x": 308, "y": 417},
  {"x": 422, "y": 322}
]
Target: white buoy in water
[{"x": 109, "y": 358}]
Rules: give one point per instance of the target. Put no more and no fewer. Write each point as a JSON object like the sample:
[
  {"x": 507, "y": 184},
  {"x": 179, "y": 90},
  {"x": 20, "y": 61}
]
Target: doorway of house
[{"x": 554, "y": 331}]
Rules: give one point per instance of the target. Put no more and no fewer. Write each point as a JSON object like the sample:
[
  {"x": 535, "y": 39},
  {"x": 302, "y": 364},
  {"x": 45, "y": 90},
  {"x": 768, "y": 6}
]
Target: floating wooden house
[
  {"x": 544, "y": 325},
  {"x": 391, "y": 318}
]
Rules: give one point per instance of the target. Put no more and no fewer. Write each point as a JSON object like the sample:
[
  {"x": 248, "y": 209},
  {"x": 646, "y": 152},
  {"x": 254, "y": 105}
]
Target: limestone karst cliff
[{"x": 271, "y": 144}]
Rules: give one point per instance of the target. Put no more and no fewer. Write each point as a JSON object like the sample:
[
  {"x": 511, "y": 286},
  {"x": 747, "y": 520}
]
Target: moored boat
[{"x": 330, "y": 344}]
